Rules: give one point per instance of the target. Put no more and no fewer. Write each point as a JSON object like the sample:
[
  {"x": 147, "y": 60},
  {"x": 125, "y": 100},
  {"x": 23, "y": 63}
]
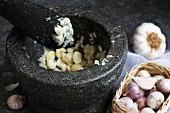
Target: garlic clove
[
  {"x": 50, "y": 55},
  {"x": 127, "y": 102},
  {"x": 11, "y": 87},
  {"x": 147, "y": 110},
  {"x": 70, "y": 50},
  {"x": 143, "y": 73},
  {"x": 69, "y": 58},
  {"x": 145, "y": 83},
  {"x": 77, "y": 57},
  {"x": 15, "y": 102},
  {"x": 63, "y": 57},
  {"x": 163, "y": 85},
  {"x": 150, "y": 91},
  {"x": 76, "y": 67},
  {"x": 141, "y": 102},
  {"x": 51, "y": 64},
  {"x": 158, "y": 77},
  {"x": 59, "y": 52},
  {"x": 155, "y": 100},
  {"x": 135, "y": 108},
  {"x": 133, "y": 91}
]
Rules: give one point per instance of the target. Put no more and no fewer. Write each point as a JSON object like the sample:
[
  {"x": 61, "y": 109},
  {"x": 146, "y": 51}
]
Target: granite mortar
[{"x": 88, "y": 90}]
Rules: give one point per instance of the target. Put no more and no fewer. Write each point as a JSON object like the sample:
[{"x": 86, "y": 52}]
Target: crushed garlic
[
  {"x": 71, "y": 59},
  {"x": 149, "y": 41},
  {"x": 64, "y": 32}
]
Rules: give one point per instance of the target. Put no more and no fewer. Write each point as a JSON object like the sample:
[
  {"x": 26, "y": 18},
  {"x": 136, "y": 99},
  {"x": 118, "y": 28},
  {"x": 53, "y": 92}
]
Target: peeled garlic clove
[
  {"x": 11, "y": 87},
  {"x": 143, "y": 73},
  {"x": 145, "y": 83},
  {"x": 127, "y": 102},
  {"x": 77, "y": 57},
  {"x": 63, "y": 57},
  {"x": 133, "y": 90},
  {"x": 155, "y": 100},
  {"x": 76, "y": 67},
  {"x": 63, "y": 67},
  {"x": 70, "y": 50},
  {"x": 69, "y": 58},
  {"x": 164, "y": 85},
  {"x": 50, "y": 55},
  {"x": 68, "y": 68},
  {"x": 15, "y": 102},
  {"x": 59, "y": 52},
  {"x": 51, "y": 64},
  {"x": 147, "y": 110}
]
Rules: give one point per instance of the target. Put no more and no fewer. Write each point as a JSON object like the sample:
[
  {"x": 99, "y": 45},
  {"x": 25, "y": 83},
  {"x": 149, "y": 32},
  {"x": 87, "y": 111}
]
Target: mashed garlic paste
[{"x": 64, "y": 32}]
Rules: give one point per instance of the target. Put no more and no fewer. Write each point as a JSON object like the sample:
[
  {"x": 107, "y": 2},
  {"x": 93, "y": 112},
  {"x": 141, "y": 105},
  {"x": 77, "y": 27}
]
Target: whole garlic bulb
[
  {"x": 148, "y": 41},
  {"x": 127, "y": 102},
  {"x": 155, "y": 100},
  {"x": 164, "y": 85}
]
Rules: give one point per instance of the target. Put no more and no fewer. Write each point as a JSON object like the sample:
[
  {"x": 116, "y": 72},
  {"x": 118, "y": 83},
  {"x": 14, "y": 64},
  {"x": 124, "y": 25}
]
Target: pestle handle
[{"x": 34, "y": 20}]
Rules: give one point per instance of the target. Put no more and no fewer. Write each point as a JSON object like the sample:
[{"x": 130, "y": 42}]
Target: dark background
[{"x": 127, "y": 13}]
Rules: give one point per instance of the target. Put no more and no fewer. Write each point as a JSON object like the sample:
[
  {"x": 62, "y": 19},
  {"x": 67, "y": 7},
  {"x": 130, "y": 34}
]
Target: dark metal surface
[{"x": 128, "y": 13}]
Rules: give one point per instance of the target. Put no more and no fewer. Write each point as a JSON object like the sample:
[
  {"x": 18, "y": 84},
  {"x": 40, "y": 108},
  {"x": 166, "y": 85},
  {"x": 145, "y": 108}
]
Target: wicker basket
[{"x": 152, "y": 68}]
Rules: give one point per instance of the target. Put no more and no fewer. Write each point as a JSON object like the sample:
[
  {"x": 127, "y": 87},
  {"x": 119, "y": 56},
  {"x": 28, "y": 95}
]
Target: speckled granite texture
[{"x": 128, "y": 13}]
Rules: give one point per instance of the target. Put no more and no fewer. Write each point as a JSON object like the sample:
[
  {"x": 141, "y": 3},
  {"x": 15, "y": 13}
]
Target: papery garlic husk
[
  {"x": 143, "y": 73},
  {"x": 155, "y": 100},
  {"x": 127, "y": 102},
  {"x": 164, "y": 85},
  {"x": 147, "y": 110},
  {"x": 149, "y": 41}
]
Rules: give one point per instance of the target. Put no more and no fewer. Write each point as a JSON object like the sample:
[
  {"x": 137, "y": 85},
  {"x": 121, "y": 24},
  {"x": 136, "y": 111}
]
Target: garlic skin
[
  {"x": 127, "y": 102},
  {"x": 149, "y": 41},
  {"x": 141, "y": 102},
  {"x": 135, "y": 108},
  {"x": 15, "y": 102},
  {"x": 155, "y": 100},
  {"x": 164, "y": 85},
  {"x": 133, "y": 91},
  {"x": 147, "y": 110}
]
